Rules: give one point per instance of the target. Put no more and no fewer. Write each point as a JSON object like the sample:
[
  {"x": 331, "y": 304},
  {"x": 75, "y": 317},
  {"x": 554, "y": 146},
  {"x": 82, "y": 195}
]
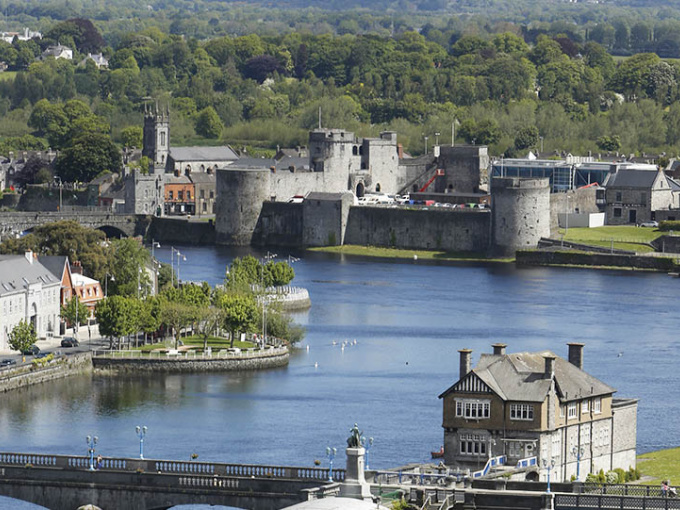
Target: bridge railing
[
  {"x": 599, "y": 501},
  {"x": 190, "y": 355},
  {"x": 620, "y": 489},
  {"x": 76, "y": 462}
]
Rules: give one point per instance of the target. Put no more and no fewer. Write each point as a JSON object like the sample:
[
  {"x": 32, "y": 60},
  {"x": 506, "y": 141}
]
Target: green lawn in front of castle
[
  {"x": 621, "y": 237},
  {"x": 660, "y": 465},
  {"x": 398, "y": 253}
]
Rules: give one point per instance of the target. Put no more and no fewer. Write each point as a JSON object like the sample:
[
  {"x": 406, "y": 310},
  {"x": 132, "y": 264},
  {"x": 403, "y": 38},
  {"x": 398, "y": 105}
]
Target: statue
[{"x": 354, "y": 439}]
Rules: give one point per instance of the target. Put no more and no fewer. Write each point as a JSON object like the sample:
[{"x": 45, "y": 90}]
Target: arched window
[
  {"x": 355, "y": 150},
  {"x": 202, "y": 168},
  {"x": 360, "y": 190},
  {"x": 377, "y": 187}
]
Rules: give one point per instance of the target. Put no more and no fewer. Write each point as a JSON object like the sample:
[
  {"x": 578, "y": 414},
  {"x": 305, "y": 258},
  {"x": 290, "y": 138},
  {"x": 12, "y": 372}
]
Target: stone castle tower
[{"x": 156, "y": 138}]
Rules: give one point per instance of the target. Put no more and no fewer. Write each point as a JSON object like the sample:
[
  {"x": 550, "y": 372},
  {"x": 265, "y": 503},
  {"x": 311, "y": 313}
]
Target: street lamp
[
  {"x": 426, "y": 145},
  {"x": 91, "y": 441},
  {"x": 61, "y": 186},
  {"x": 108, "y": 277},
  {"x": 548, "y": 466},
  {"x": 141, "y": 432},
  {"x": 577, "y": 451},
  {"x": 366, "y": 443},
  {"x": 267, "y": 258},
  {"x": 566, "y": 217},
  {"x": 436, "y": 135},
  {"x": 330, "y": 453},
  {"x": 174, "y": 250},
  {"x": 154, "y": 245},
  {"x": 541, "y": 144}
]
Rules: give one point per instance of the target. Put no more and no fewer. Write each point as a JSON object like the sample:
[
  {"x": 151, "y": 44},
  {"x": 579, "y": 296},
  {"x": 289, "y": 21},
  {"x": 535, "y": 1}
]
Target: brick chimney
[
  {"x": 465, "y": 357},
  {"x": 400, "y": 151},
  {"x": 576, "y": 354},
  {"x": 499, "y": 349},
  {"x": 77, "y": 267},
  {"x": 549, "y": 371}
]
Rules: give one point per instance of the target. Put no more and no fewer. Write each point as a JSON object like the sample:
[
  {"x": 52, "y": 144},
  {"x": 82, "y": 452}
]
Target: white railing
[
  {"x": 491, "y": 463},
  {"x": 190, "y": 355}
]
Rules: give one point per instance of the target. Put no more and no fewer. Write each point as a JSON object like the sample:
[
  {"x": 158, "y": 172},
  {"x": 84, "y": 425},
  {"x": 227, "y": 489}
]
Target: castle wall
[
  {"x": 419, "y": 228},
  {"x": 581, "y": 201},
  {"x": 465, "y": 167},
  {"x": 286, "y": 184},
  {"x": 383, "y": 163},
  {"x": 241, "y": 194},
  {"x": 279, "y": 224},
  {"x": 521, "y": 213},
  {"x": 325, "y": 219}
]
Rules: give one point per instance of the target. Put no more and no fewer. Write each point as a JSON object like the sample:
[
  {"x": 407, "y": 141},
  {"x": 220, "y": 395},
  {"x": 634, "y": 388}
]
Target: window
[
  {"x": 472, "y": 409},
  {"x": 202, "y": 193},
  {"x": 597, "y": 405},
  {"x": 617, "y": 212},
  {"x": 561, "y": 411},
  {"x": 521, "y": 412},
  {"x": 585, "y": 406},
  {"x": 212, "y": 194},
  {"x": 162, "y": 138},
  {"x": 180, "y": 195},
  {"x": 170, "y": 194},
  {"x": 643, "y": 198},
  {"x": 571, "y": 410},
  {"x": 188, "y": 195},
  {"x": 472, "y": 444},
  {"x": 618, "y": 196}
]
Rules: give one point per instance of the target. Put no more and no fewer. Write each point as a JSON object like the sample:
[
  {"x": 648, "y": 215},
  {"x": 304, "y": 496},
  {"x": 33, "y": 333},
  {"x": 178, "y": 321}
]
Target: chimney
[
  {"x": 465, "y": 356},
  {"x": 76, "y": 267},
  {"x": 400, "y": 151},
  {"x": 576, "y": 354},
  {"x": 177, "y": 172},
  {"x": 549, "y": 372},
  {"x": 499, "y": 349}
]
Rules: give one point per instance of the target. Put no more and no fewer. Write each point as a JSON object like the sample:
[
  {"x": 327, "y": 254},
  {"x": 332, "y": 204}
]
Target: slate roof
[
  {"x": 223, "y": 153},
  {"x": 54, "y": 264},
  {"x": 16, "y": 271},
  {"x": 519, "y": 377},
  {"x": 202, "y": 178},
  {"x": 643, "y": 179}
]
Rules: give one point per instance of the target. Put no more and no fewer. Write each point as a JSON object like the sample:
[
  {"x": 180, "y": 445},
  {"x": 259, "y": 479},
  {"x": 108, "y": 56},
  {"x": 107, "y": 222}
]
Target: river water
[{"x": 408, "y": 319}]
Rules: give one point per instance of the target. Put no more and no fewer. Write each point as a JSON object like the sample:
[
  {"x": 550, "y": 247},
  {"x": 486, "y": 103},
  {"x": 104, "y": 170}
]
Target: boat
[{"x": 438, "y": 454}]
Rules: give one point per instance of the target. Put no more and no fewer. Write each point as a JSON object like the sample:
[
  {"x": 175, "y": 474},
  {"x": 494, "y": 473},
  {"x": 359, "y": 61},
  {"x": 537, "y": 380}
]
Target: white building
[
  {"x": 30, "y": 292},
  {"x": 26, "y": 35},
  {"x": 58, "y": 51}
]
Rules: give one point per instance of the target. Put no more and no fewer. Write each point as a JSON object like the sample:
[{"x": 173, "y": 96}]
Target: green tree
[
  {"x": 527, "y": 138},
  {"x": 75, "y": 312},
  {"x": 131, "y": 136},
  {"x": 242, "y": 273},
  {"x": 22, "y": 336},
  {"x": 208, "y": 123},
  {"x": 176, "y": 316},
  {"x": 239, "y": 313},
  {"x": 209, "y": 319},
  {"x": 90, "y": 155},
  {"x": 277, "y": 274},
  {"x": 117, "y": 316},
  {"x": 128, "y": 261}
]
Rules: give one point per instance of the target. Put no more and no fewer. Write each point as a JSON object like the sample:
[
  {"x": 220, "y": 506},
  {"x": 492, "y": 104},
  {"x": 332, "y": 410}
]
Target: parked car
[
  {"x": 41, "y": 355},
  {"x": 33, "y": 349},
  {"x": 654, "y": 224},
  {"x": 8, "y": 362},
  {"x": 69, "y": 342}
]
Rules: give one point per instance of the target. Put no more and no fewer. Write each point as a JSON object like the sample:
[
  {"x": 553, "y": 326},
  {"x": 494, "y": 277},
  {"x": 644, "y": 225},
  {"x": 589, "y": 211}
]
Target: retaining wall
[
  {"x": 279, "y": 224},
  {"x": 180, "y": 364},
  {"x": 563, "y": 258},
  {"x": 179, "y": 230},
  {"x": 23, "y": 376}
]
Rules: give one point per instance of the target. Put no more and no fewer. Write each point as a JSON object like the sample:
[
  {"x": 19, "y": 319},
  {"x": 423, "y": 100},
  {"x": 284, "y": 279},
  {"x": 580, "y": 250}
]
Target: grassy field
[
  {"x": 216, "y": 343},
  {"x": 394, "y": 253},
  {"x": 660, "y": 465},
  {"x": 622, "y": 237}
]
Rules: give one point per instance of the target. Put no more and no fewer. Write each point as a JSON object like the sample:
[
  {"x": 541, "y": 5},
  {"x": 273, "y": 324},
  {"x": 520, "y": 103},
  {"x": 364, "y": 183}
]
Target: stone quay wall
[
  {"x": 567, "y": 258},
  {"x": 20, "y": 377},
  {"x": 275, "y": 358}
]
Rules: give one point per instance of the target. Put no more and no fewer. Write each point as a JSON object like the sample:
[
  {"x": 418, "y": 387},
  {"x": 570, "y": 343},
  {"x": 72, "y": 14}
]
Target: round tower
[
  {"x": 240, "y": 193},
  {"x": 520, "y": 213}
]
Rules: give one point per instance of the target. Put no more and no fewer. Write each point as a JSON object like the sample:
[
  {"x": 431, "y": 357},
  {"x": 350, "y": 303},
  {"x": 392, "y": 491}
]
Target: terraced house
[{"x": 537, "y": 405}]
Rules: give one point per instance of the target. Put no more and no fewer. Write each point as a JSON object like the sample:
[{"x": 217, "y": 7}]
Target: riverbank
[
  {"x": 408, "y": 254},
  {"x": 59, "y": 368},
  {"x": 660, "y": 465}
]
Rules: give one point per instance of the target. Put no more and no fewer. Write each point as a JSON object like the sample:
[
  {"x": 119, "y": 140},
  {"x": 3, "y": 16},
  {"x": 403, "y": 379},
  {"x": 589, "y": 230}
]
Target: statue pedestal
[{"x": 355, "y": 485}]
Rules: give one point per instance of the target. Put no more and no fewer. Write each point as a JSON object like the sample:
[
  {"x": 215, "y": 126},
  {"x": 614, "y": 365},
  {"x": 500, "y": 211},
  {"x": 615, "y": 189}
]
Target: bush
[
  {"x": 666, "y": 226},
  {"x": 612, "y": 477},
  {"x": 621, "y": 475}
]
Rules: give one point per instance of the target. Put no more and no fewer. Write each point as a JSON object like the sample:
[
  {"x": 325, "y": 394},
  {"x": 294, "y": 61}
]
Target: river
[{"x": 408, "y": 319}]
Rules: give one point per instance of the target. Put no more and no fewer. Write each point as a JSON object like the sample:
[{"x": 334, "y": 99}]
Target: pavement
[{"x": 88, "y": 337}]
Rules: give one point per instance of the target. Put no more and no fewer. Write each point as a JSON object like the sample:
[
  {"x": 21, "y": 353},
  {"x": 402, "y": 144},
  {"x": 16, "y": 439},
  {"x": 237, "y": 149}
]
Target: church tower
[{"x": 156, "y": 138}]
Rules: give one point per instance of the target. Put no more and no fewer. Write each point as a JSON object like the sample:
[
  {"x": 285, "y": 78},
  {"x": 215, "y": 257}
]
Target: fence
[{"x": 190, "y": 355}]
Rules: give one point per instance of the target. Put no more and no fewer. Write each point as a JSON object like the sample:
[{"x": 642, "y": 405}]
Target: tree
[
  {"x": 90, "y": 155},
  {"x": 209, "y": 319},
  {"x": 118, "y": 316},
  {"x": 239, "y": 313},
  {"x": 277, "y": 274},
  {"x": 244, "y": 272},
  {"x": 208, "y": 123},
  {"x": 131, "y": 136},
  {"x": 527, "y": 137},
  {"x": 262, "y": 67},
  {"x": 75, "y": 312},
  {"x": 127, "y": 264},
  {"x": 175, "y": 316},
  {"x": 22, "y": 336}
]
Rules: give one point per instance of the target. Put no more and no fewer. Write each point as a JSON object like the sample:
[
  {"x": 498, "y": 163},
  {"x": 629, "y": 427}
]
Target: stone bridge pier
[{"x": 114, "y": 225}]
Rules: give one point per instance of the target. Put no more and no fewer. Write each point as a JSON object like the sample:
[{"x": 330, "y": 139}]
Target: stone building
[
  {"x": 636, "y": 196},
  {"x": 537, "y": 405},
  {"x": 29, "y": 292},
  {"x": 204, "y": 192},
  {"x": 144, "y": 193}
]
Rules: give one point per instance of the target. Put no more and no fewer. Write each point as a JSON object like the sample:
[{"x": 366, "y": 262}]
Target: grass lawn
[
  {"x": 395, "y": 253},
  {"x": 661, "y": 465},
  {"x": 622, "y": 237},
  {"x": 216, "y": 343}
]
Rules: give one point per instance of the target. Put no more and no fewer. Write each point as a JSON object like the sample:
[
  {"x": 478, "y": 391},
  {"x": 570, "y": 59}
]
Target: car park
[{"x": 69, "y": 342}]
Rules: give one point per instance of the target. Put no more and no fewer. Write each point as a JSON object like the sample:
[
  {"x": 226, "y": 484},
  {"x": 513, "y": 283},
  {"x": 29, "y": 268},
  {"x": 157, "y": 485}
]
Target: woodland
[{"x": 516, "y": 76}]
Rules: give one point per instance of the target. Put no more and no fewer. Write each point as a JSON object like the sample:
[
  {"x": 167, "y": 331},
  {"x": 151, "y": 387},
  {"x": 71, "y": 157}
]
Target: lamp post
[
  {"x": 366, "y": 443},
  {"x": 566, "y": 217},
  {"x": 267, "y": 258},
  {"x": 108, "y": 277},
  {"x": 548, "y": 465},
  {"x": 174, "y": 250},
  {"x": 61, "y": 186},
  {"x": 426, "y": 145},
  {"x": 141, "y": 432},
  {"x": 577, "y": 451},
  {"x": 436, "y": 139},
  {"x": 541, "y": 144},
  {"x": 154, "y": 245},
  {"x": 91, "y": 441},
  {"x": 330, "y": 453}
]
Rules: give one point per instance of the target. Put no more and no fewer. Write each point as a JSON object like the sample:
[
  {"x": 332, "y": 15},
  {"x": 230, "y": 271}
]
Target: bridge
[
  {"x": 65, "y": 482},
  {"x": 114, "y": 225}
]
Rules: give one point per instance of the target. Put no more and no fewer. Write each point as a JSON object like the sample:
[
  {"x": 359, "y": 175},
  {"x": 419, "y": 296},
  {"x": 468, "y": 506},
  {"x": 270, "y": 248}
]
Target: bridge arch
[{"x": 112, "y": 232}]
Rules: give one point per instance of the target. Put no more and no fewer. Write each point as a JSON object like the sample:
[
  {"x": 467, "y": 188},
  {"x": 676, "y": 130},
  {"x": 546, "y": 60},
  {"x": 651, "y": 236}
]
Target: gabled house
[
  {"x": 536, "y": 405},
  {"x": 59, "y": 266},
  {"x": 58, "y": 51},
  {"x": 635, "y": 196},
  {"x": 99, "y": 60}
]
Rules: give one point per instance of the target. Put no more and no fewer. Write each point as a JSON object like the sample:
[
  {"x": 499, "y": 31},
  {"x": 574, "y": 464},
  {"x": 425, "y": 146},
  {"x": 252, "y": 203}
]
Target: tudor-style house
[{"x": 536, "y": 404}]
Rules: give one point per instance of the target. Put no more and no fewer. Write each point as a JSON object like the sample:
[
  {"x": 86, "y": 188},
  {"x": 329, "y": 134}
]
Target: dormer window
[{"x": 473, "y": 409}]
